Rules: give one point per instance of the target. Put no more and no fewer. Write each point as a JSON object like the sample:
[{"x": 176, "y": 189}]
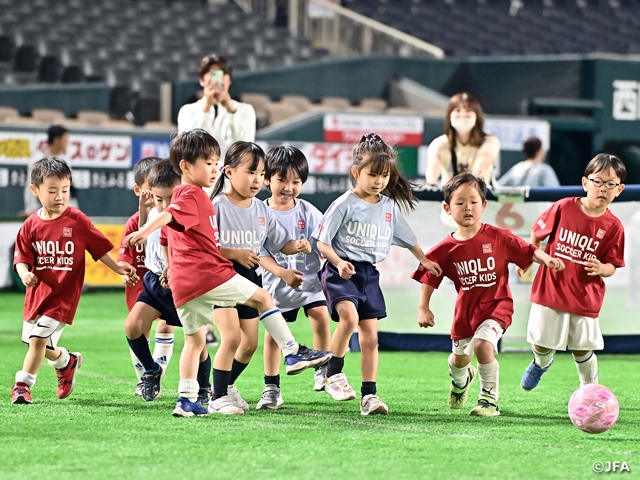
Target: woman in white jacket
[{"x": 225, "y": 119}]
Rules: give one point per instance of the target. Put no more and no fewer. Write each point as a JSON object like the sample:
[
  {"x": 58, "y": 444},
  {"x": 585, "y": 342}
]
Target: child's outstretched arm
[
  {"x": 426, "y": 318},
  {"x": 543, "y": 259},
  {"x": 245, "y": 257},
  {"x": 293, "y": 247},
  {"x": 424, "y": 261},
  {"x": 535, "y": 241},
  {"x": 293, "y": 278},
  {"x": 136, "y": 238},
  {"x": 346, "y": 269},
  {"x": 596, "y": 267},
  {"x": 122, "y": 268},
  {"x": 28, "y": 278}
]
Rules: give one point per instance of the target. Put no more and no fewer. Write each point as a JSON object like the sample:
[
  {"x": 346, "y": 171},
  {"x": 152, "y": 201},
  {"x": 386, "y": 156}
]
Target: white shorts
[
  {"x": 199, "y": 311},
  {"x": 559, "y": 330},
  {"x": 43, "y": 327},
  {"x": 489, "y": 330}
]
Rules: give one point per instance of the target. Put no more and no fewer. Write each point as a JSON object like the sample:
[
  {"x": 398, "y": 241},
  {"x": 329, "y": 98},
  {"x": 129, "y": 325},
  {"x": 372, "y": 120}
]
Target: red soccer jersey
[
  {"x": 479, "y": 269},
  {"x": 194, "y": 246},
  {"x": 133, "y": 256},
  {"x": 575, "y": 237},
  {"x": 54, "y": 249}
]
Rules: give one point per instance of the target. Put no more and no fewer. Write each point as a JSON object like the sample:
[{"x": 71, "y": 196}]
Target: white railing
[{"x": 345, "y": 32}]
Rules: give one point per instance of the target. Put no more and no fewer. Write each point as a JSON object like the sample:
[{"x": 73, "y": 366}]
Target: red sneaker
[
  {"x": 67, "y": 376},
  {"x": 21, "y": 393}
]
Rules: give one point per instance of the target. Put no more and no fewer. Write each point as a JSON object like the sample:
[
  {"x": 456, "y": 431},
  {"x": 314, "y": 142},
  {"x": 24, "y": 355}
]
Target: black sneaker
[
  {"x": 204, "y": 394},
  {"x": 212, "y": 340},
  {"x": 151, "y": 384}
]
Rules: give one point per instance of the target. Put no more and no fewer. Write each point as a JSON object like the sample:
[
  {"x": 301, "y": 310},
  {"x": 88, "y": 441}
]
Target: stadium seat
[
  {"x": 8, "y": 112},
  {"x": 301, "y": 102},
  {"x": 281, "y": 111},
  {"x": 336, "y": 103},
  {"x": 47, "y": 115},
  {"x": 91, "y": 117}
]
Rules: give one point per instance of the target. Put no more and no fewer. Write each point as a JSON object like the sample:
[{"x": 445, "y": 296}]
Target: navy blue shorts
[
  {"x": 244, "y": 312},
  {"x": 292, "y": 315},
  {"x": 158, "y": 297},
  {"x": 363, "y": 289}
]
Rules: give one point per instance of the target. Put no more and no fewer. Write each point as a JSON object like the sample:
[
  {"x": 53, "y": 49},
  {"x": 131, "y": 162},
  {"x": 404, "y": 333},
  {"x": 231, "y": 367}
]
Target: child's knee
[
  {"x": 368, "y": 340},
  {"x": 164, "y": 327},
  {"x": 484, "y": 350}
]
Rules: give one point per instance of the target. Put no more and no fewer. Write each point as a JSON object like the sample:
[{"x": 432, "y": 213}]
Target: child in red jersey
[
  {"x": 201, "y": 277},
  {"x": 565, "y": 307},
  {"x": 476, "y": 258},
  {"x": 49, "y": 258},
  {"x": 164, "y": 338}
]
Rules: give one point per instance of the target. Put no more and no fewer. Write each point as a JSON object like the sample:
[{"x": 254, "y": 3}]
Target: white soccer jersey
[
  {"x": 300, "y": 222},
  {"x": 154, "y": 261},
  {"x": 364, "y": 232},
  {"x": 251, "y": 228}
]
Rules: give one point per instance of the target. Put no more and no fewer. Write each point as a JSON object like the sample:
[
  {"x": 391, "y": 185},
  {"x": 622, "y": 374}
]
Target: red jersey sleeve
[
  {"x": 519, "y": 251},
  {"x": 615, "y": 253},
  {"x": 163, "y": 236},
  {"x": 23, "y": 251},
  {"x": 423, "y": 275},
  {"x": 125, "y": 254},
  {"x": 97, "y": 244},
  {"x": 184, "y": 211},
  {"x": 543, "y": 226}
]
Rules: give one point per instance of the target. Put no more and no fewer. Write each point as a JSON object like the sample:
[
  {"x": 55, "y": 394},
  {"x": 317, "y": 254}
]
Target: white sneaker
[
  {"x": 234, "y": 395},
  {"x": 225, "y": 406},
  {"x": 338, "y": 387},
  {"x": 319, "y": 378},
  {"x": 271, "y": 398},
  {"x": 139, "y": 389},
  {"x": 372, "y": 405}
]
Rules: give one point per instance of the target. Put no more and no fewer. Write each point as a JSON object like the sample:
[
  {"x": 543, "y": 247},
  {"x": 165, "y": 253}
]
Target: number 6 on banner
[{"x": 508, "y": 218}]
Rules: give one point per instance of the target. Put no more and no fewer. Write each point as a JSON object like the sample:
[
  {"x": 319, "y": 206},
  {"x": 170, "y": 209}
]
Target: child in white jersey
[
  {"x": 246, "y": 226},
  {"x": 356, "y": 232},
  {"x": 292, "y": 280}
]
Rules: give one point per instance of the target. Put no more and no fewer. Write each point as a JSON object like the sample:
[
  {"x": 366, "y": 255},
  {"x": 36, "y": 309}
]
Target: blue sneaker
[
  {"x": 304, "y": 359},
  {"x": 532, "y": 375},
  {"x": 151, "y": 384},
  {"x": 187, "y": 408}
]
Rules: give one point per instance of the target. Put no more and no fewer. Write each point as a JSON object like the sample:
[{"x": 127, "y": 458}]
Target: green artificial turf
[{"x": 103, "y": 431}]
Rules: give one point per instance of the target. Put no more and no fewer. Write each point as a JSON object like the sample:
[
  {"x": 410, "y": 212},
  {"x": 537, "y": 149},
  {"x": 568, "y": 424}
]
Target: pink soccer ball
[{"x": 593, "y": 408}]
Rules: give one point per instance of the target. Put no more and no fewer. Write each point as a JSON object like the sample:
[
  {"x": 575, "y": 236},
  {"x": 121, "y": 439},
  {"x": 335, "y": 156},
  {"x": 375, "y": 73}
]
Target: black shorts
[
  {"x": 292, "y": 315},
  {"x": 363, "y": 289},
  {"x": 244, "y": 312},
  {"x": 158, "y": 297}
]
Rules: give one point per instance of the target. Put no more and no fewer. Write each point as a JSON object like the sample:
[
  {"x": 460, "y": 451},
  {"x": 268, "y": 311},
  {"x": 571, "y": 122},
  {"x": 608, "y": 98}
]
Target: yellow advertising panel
[{"x": 97, "y": 274}]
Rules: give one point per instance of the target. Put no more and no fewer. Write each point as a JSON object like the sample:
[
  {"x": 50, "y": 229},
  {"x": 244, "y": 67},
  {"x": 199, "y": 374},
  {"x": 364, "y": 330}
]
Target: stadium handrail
[
  {"x": 527, "y": 194},
  {"x": 376, "y": 26}
]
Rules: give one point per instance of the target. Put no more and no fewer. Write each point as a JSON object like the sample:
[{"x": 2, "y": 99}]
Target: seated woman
[{"x": 464, "y": 146}]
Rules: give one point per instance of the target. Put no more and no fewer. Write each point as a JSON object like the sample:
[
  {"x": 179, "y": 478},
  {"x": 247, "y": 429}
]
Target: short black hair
[
  {"x": 55, "y": 131},
  {"x": 604, "y": 161},
  {"x": 531, "y": 146},
  {"x": 163, "y": 175},
  {"x": 282, "y": 159},
  {"x": 142, "y": 168},
  {"x": 218, "y": 60},
  {"x": 48, "y": 167},
  {"x": 463, "y": 179},
  {"x": 191, "y": 145}
]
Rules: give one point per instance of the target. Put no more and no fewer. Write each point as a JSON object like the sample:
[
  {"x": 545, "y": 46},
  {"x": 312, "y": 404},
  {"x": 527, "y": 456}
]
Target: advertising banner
[
  {"x": 149, "y": 147},
  {"x": 394, "y": 129},
  {"x": 97, "y": 274}
]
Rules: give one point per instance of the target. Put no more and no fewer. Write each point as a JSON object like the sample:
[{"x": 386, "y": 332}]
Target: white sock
[
  {"x": 137, "y": 366},
  {"x": 163, "y": 349},
  {"x": 277, "y": 327},
  {"x": 543, "y": 360},
  {"x": 489, "y": 374},
  {"x": 458, "y": 375},
  {"x": 188, "y": 389},
  {"x": 26, "y": 377},
  {"x": 62, "y": 361},
  {"x": 587, "y": 368}
]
